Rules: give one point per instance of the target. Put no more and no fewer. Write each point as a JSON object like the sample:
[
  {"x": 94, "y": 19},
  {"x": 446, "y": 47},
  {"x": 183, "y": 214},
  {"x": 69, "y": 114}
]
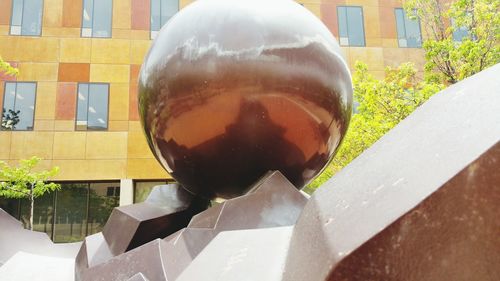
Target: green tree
[
  {"x": 447, "y": 60},
  {"x": 10, "y": 118},
  {"x": 6, "y": 68},
  {"x": 23, "y": 182},
  {"x": 382, "y": 105}
]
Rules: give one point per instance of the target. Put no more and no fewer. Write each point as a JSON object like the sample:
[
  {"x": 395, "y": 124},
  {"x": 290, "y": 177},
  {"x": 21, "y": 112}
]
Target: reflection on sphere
[{"x": 232, "y": 89}]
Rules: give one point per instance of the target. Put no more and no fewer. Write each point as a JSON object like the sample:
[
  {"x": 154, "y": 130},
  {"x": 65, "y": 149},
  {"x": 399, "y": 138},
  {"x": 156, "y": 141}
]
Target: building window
[
  {"x": 409, "y": 35},
  {"x": 18, "y": 106},
  {"x": 96, "y": 18},
  {"x": 351, "y": 30},
  {"x": 143, "y": 188},
  {"x": 68, "y": 215},
  {"x": 26, "y": 17},
  {"x": 92, "y": 107},
  {"x": 459, "y": 32},
  {"x": 161, "y": 12}
]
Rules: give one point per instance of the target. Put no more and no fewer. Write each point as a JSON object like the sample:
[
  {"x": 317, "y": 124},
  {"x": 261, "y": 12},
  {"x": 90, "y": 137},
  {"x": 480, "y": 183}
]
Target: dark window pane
[
  {"x": 101, "y": 205},
  {"x": 11, "y": 206},
  {"x": 98, "y": 107},
  {"x": 82, "y": 106},
  {"x": 355, "y": 26},
  {"x": 155, "y": 15},
  {"x": 342, "y": 21},
  {"x": 142, "y": 189},
  {"x": 43, "y": 213},
  {"x": 102, "y": 18},
  {"x": 24, "y": 211},
  {"x": 25, "y": 103},
  {"x": 32, "y": 17},
  {"x": 168, "y": 9},
  {"x": 71, "y": 212},
  {"x": 87, "y": 13},
  {"x": 17, "y": 12}
]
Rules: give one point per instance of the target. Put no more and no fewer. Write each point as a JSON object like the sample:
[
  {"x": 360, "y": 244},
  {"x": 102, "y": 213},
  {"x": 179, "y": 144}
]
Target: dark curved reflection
[{"x": 220, "y": 109}]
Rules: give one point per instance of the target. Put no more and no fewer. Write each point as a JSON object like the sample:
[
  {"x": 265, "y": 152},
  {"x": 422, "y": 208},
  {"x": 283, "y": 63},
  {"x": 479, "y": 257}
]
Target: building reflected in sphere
[{"x": 232, "y": 89}]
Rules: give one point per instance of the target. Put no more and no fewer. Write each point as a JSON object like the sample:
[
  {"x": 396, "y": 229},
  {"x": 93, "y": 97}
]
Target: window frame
[
  {"x": 347, "y": 24},
  {"x": 34, "y": 103},
  {"x": 405, "y": 30},
  {"x": 76, "y": 108},
  {"x": 22, "y": 20},
  {"x": 161, "y": 25},
  {"x": 92, "y": 28}
]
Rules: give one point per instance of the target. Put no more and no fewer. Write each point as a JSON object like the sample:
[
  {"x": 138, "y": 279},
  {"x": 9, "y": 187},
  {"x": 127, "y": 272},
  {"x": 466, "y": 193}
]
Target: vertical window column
[
  {"x": 96, "y": 18},
  {"x": 26, "y": 18},
  {"x": 18, "y": 106},
  {"x": 409, "y": 35},
  {"x": 351, "y": 28},
  {"x": 161, "y": 12},
  {"x": 92, "y": 107}
]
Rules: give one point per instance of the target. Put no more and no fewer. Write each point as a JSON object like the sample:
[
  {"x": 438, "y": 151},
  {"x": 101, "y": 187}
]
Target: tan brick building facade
[{"x": 60, "y": 59}]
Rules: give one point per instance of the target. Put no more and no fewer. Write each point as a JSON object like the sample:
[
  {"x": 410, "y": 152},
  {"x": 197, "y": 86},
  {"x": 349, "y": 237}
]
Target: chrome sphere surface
[{"x": 232, "y": 89}]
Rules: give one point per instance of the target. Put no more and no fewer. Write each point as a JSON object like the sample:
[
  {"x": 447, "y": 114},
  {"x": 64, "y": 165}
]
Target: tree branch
[{"x": 17, "y": 190}]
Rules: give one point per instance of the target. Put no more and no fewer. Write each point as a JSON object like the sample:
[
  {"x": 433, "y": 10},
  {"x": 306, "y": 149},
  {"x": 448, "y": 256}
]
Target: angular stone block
[
  {"x": 183, "y": 248},
  {"x": 207, "y": 218},
  {"x": 14, "y": 238},
  {"x": 420, "y": 204},
  {"x": 452, "y": 235},
  {"x": 41, "y": 268},
  {"x": 256, "y": 254},
  {"x": 165, "y": 212},
  {"x": 147, "y": 259},
  {"x": 272, "y": 202},
  {"x": 138, "y": 277},
  {"x": 94, "y": 251}
]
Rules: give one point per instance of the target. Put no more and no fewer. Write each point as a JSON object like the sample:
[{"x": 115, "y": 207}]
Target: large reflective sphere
[{"x": 231, "y": 89}]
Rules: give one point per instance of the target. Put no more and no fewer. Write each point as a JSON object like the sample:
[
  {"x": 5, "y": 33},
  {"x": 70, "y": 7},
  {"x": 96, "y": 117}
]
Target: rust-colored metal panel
[
  {"x": 133, "y": 109},
  {"x": 72, "y": 13},
  {"x": 133, "y": 114},
  {"x": 5, "y": 11},
  {"x": 66, "y": 101},
  {"x": 387, "y": 22},
  {"x": 74, "y": 72},
  {"x": 329, "y": 17},
  {"x": 141, "y": 14}
]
